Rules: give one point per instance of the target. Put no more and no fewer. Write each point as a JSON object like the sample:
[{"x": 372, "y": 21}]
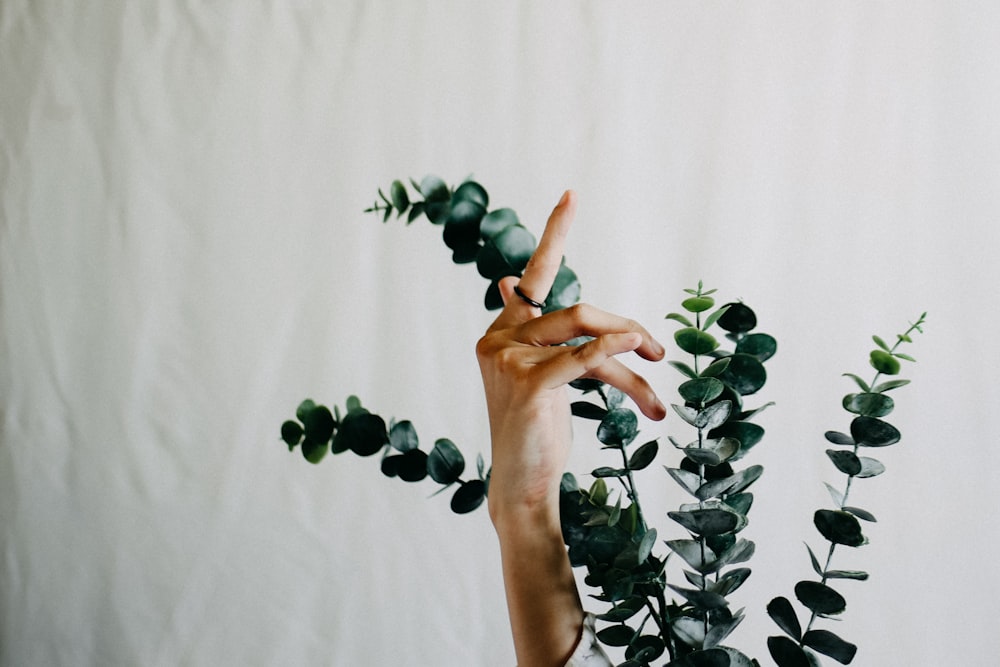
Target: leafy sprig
[{"x": 841, "y": 526}]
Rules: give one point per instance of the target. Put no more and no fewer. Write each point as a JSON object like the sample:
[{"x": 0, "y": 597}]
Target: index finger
[{"x": 541, "y": 270}]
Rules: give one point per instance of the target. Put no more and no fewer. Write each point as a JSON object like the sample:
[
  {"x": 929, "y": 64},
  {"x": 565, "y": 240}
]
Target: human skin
[{"x": 525, "y": 373}]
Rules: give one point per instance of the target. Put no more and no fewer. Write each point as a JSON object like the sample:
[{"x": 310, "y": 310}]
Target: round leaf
[
  {"x": 472, "y": 192},
  {"x": 565, "y": 290},
  {"x": 461, "y": 227},
  {"x": 361, "y": 432},
  {"x": 697, "y": 304},
  {"x": 318, "y": 424},
  {"x": 291, "y": 433},
  {"x": 516, "y": 245},
  {"x": 701, "y": 390},
  {"x": 643, "y": 456},
  {"x": 468, "y": 497},
  {"x": 783, "y": 613},
  {"x": 745, "y": 374},
  {"x": 706, "y": 522},
  {"x": 314, "y": 451},
  {"x": 618, "y": 427},
  {"x": 884, "y": 362},
  {"x": 827, "y": 643},
  {"x": 738, "y": 318},
  {"x": 820, "y": 598},
  {"x": 846, "y": 462},
  {"x": 412, "y": 466},
  {"x": 871, "y": 432},
  {"x": 403, "y": 437},
  {"x": 400, "y": 200},
  {"x": 695, "y": 341},
  {"x": 786, "y": 653},
  {"x": 758, "y": 345},
  {"x": 445, "y": 463},
  {"x": 839, "y": 527},
  {"x": 868, "y": 404},
  {"x": 496, "y": 221}
]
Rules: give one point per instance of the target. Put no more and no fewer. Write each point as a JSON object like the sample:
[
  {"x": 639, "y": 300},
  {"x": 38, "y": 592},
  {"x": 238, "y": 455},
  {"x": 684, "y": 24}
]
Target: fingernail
[{"x": 562, "y": 201}]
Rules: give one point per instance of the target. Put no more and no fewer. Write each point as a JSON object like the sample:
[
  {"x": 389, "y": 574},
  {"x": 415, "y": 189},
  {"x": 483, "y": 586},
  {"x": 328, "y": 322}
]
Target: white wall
[{"x": 184, "y": 258}]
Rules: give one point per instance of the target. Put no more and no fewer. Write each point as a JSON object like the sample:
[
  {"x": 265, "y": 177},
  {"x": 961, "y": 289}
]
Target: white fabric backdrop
[{"x": 184, "y": 258}]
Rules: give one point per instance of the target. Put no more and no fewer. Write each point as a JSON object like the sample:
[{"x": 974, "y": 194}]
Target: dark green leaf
[
  {"x": 677, "y": 317},
  {"x": 588, "y": 410},
  {"x": 445, "y": 463},
  {"x": 846, "y": 462},
  {"x": 472, "y": 192},
  {"x": 616, "y": 635},
  {"x": 644, "y": 455},
  {"x": 701, "y": 599},
  {"x": 291, "y": 433},
  {"x": 461, "y": 227},
  {"x": 645, "y": 649},
  {"x": 714, "y": 415},
  {"x": 864, "y": 515},
  {"x": 403, "y": 437},
  {"x": 748, "y": 434},
  {"x": 433, "y": 188},
  {"x": 468, "y": 497},
  {"x": 786, "y": 653},
  {"x": 758, "y": 345},
  {"x": 745, "y": 374},
  {"x": 690, "y": 415},
  {"x": 839, "y": 527},
  {"x": 713, "y": 657},
  {"x": 693, "y": 554},
  {"x": 713, "y": 451},
  {"x": 565, "y": 290},
  {"x": 689, "y": 630},
  {"x": 598, "y": 492},
  {"x": 353, "y": 404},
  {"x": 314, "y": 451},
  {"x": 716, "y": 368},
  {"x": 619, "y": 426},
  {"x": 305, "y": 407},
  {"x": 819, "y": 598},
  {"x": 817, "y": 568},
  {"x": 318, "y": 424},
  {"x": 868, "y": 404},
  {"x": 838, "y": 438},
  {"x": 857, "y": 575},
  {"x": 739, "y": 318},
  {"x": 496, "y": 221},
  {"x": 783, "y": 613},
  {"x": 730, "y": 581},
  {"x": 606, "y": 471},
  {"x": 361, "y": 432},
  {"x": 830, "y": 644},
  {"x": 516, "y": 244},
  {"x": 390, "y": 465},
  {"x": 415, "y": 212},
  {"x": 701, "y": 390},
  {"x": 871, "y": 432},
  {"x": 646, "y": 545},
  {"x": 741, "y": 502},
  {"x": 399, "y": 197},
  {"x": 712, "y": 521},
  {"x": 493, "y": 300},
  {"x": 624, "y": 610},
  {"x": 688, "y": 481},
  {"x": 412, "y": 466}
]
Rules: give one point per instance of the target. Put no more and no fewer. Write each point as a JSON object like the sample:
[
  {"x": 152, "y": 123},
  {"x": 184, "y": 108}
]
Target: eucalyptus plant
[{"x": 605, "y": 527}]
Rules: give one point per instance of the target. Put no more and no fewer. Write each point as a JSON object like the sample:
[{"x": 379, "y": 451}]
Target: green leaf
[
  {"x": 616, "y": 635},
  {"x": 714, "y": 317},
  {"x": 314, "y": 451},
  {"x": 291, "y": 433},
  {"x": 817, "y": 568},
  {"x": 714, "y": 415},
  {"x": 838, "y": 438},
  {"x": 412, "y": 466},
  {"x": 624, "y": 610},
  {"x": 702, "y": 560},
  {"x": 701, "y": 599},
  {"x": 758, "y": 345},
  {"x": 786, "y": 653},
  {"x": 400, "y": 199},
  {"x": 354, "y": 404},
  {"x": 445, "y": 463},
  {"x": 730, "y": 581},
  {"x": 839, "y": 527},
  {"x": 587, "y": 410},
  {"x": 432, "y": 188},
  {"x": 506, "y": 254},
  {"x": 712, "y": 521},
  {"x": 677, "y": 317},
  {"x": 889, "y": 384},
  {"x": 820, "y": 598},
  {"x": 861, "y": 383},
  {"x": 683, "y": 368},
  {"x": 829, "y": 644},
  {"x": 838, "y": 497},
  {"x": 870, "y": 467},
  {"x": 716, "y": 368},
  {"x": 745, "y": 374},
  {"x": 318, "y": 424},
  {"x": 688, "y": 481},
  {"x": 616, "y": 512},
  {"x": 713, "y": 451},
  {"x": 619, "y": 427},
  {"x": 846, "y": 462},
  {"x": 607, "y": 471},
  {"x": 645, "y": 649},
  {"x": 565, "y": 290},
  {"x": 496, "y": 221},
  {"x": 732, "y": 484},
  {"x": 403, "y": 437},
  {"x": 782, "y": 612},
  {"x": 748, "y": 433},
  {"x": 472, "y": 192},
  {"x": 361, "y": 432},
  {"x": 694, "y": 341},
  {"x": 598, "y": 492},
  {"x": 738, "y": 318},
  {"x": 871, "y": 432},
  {"x": 906, "y": 357},
  {"x": 305, "y": 407},
  {"x": 884, "y": 362},
  {"x": 869, "y": 404},
  {"x": 697, "y": 304},
  {"x": 881, "y": 343},
  {"x": 644, "y": 455},
  {"x": 864, "y": 515},
  {"x": 856, "y": 575},
  {"x": 691, "y": 631},
  {"x": 468, "y": 497},
  {"x": 461, "y": 227},
  {"x": 701, "y": 390}
]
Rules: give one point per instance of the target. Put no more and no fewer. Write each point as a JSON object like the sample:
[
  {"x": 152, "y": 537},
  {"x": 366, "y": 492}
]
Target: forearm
[{"x": 546, "y": 615}]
